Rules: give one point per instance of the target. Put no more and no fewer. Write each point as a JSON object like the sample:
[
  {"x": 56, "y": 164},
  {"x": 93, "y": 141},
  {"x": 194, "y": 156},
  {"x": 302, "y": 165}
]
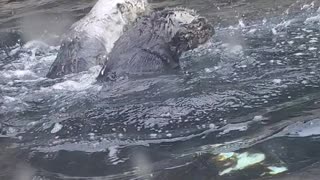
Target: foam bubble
[
  {"x": 314, "y": 19},
  {"x": 56, "y": 128},
  {"x": 277, "y": 81}
]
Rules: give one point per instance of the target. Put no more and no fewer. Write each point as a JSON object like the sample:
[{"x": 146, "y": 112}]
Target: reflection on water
[{"x": 250, "y": 92}]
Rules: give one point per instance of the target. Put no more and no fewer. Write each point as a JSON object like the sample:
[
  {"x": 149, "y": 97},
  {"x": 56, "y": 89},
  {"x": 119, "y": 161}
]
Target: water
[{"x": 254, "y": 87}]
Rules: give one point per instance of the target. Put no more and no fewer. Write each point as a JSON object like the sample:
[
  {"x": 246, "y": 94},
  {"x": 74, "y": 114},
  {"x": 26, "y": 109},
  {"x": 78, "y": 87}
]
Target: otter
[
  {"x": 92, "y": 37},
  {"x": 155, "y": 43}
]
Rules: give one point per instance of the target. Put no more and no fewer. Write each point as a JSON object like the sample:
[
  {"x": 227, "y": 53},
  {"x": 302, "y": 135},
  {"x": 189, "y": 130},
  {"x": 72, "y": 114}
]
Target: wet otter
[
  {"x": 155, "y": 43},
  {"x": 92, "y": 37}
]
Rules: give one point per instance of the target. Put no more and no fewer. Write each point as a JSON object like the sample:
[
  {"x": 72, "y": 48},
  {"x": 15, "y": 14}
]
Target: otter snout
[
  {"x": 207, "y": 31},
  {"x": 202, "y": 31},
  {"x": 204, "y": 25}
]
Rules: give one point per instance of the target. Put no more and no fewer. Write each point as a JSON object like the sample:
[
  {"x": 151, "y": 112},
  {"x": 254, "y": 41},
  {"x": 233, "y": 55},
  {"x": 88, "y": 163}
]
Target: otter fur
[
  {"x": 92, "y": 37},
  {"x": 155, "y": 43}
]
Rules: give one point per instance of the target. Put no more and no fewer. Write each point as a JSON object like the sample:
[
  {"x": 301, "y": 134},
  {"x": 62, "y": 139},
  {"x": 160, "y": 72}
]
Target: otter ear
[{"x": 122, "y": 7}]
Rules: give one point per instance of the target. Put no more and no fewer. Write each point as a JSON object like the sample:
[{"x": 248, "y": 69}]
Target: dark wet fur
[
  {"x": 146, "y": 48},
  {"x": 76, "y": 55},
  {"x": 9, "y": 40}
]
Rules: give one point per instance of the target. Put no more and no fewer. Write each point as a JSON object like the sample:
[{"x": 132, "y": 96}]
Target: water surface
[{"x": 254, "y": 87}]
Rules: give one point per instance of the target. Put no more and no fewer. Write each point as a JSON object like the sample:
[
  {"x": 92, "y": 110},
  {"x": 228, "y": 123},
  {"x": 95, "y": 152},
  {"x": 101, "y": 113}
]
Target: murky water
[{"x": 254, "y": 87}]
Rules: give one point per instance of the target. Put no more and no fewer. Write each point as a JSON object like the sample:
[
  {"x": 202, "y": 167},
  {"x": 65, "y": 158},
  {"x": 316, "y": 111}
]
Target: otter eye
[
  {"x": 200, "y": 24},
  {"x": 122, "y": 8}
]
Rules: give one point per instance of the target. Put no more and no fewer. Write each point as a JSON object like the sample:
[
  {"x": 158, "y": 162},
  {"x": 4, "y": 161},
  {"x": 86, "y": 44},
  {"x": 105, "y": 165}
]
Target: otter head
[
  {"x": 187, "y": 30},
  {"x": 196, "y": 33},
  {"x": 131, "y": 9}
]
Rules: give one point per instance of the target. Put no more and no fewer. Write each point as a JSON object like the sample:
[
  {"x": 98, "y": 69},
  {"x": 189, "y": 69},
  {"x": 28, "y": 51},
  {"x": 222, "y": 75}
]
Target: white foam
[
  {"x": 169, "y": 135},
  {"x": 299, "y": 54},
  {"x": 302, "y": 129},
  {"x": 36, "y": 45},
  {"x": 113, "y": 155},
  {"x": 56, "y": 128},
  {"x": 258, "y": 118},
  {"x": 208, "y": 70},
  {"x": 313, "y": 40},
  {"x": 233, "y": 48},
  {"x": 310, "y": 131},
  {"x": 314, "y": 19},
  {"x": 277, "y": 170},
  {"x": 113, "y": 151},
  {"x": 22, "y": 73},
  {"x": 8, "y": 99},
  {"x": 70, "y": 85},
  {"x": 153, "y": 135},
  {"x": 312, "y": 48},
  {"x": 264, "y": 21},
  {"x": 277, "y": 81},
  {"x": 79, "y": 82},
  {"x": 281, "y": 26},
  {"x": 285, "y": 23},
  {"x": 234, "y": 127},
  {"x": 212, "y": 126},
  {"x": 241, "y": 24},
  {"x": 290, "y": 42},
  {"x": 252, "y": 31},
  {"x": 299, "y": 37},
  {"x": 308, "y": 6},
  {"x": 18, "y": 74}
]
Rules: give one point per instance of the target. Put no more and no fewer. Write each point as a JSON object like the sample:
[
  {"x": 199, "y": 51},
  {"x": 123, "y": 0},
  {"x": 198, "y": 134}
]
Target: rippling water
[{"x": 254, "y": 87}]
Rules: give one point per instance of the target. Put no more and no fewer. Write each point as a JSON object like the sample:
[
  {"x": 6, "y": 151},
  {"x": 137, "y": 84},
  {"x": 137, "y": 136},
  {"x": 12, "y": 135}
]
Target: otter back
[{"x": 155, "y": 43}]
